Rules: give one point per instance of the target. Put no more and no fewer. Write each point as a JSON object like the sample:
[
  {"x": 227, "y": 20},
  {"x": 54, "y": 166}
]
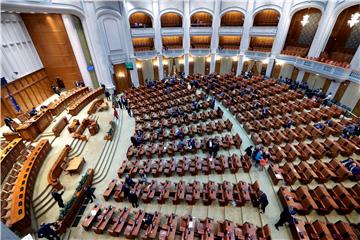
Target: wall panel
[
  {"x": 52, "y": 43},
  {"x": 29, "y": 91}
]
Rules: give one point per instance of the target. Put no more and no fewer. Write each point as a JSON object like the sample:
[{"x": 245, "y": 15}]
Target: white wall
[
  {"x": 18, "y": 52},
  {"x": 315, "y": 81},
  {"x": 286, "y": 71},
  {"x": 351, "y": 95}
]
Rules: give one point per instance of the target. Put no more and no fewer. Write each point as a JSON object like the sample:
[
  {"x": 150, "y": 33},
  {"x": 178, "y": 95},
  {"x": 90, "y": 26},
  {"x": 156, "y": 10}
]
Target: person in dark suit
[
  {"x": 263, "y": 201},
  {"x": 285, "y": 217},
  {"x": 58, "y": 198},
  {"x": 47, "y": 231},
  {"x": 129, "y": 181},
  {"x": 8, "y": 122},
  {"x": 133, "y": 198},
  {"x": 89, "y": 193}
]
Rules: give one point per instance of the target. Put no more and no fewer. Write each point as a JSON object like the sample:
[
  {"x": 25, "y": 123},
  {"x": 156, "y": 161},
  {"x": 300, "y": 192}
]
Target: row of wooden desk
[
  {"x": 56, "y": 107},
  {"x": 144, "y": 225},
  {"x": 80, "y": 103},
  {"x": 30, "y": 129},
  {"x": 9, "y": 156},
  {"x": 22, "y": 192},
  {"x": 224, "y": 192}
]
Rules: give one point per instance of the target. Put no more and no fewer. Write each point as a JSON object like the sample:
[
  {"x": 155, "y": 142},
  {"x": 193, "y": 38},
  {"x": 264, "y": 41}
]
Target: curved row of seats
[
  {"x": 178, "y": 121},
  {"x": 194, "y": 166},
  {"x": 305, "y": 172},
  {"x": 321, "y": 199},
  {"x": 57, "y": 168},
  {"x": 84, "y": 100},
  {"x": 130, "y": 223},
  {"x": 170, "y": 148},
  {"x": 224, "y": 192}
]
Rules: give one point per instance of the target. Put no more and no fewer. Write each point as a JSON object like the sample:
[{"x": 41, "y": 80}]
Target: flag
[{"x": 13, "y": 101}]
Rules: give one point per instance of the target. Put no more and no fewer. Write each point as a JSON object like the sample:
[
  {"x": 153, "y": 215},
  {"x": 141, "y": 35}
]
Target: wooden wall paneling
[
  {"x": 217, "y": 66},
  {"x": 191, "y": 67},
  {"x": 207, "y": 67},
  {"x": 267, "y": 17},
  {"x": 306, "y": 76},
  {"x": 166, "y": 66},
  {"x": 53, "y": 46},
  {"x": 341, "y": 90},
  {"x": 232, "y": 18},
  {"x": 245, "y": 66},
  {"x": 5, "y": 111},
  {"x": 122, "y": 77},
  {"x": 34, "y": 98},
  {"x": 140, "y": 17},
  {"x": 24, "y": 94},
  {"x": 276, "y": 71},
  {"x": 326, "y": 85},
  {"x": 140, "y": 76},
  {"x": 156, "y": 71},
  {"x": 234, "y": 67},
  {"x": 36, "y": 90},
  {"x": 356, "y": 109},
  {"x": 294, "y": 74}
]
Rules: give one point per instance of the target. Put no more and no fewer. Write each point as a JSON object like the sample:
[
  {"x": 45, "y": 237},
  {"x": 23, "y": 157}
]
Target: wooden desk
[
  {"x": 133, "y": 228},
  {"x": 119, "y": 222},
  {"x": 23, "y": 187},
  {"x": 60, "y": 104},
  {"x": 152, "y": 229},
  {"x": 34, "y": 126},
  {"x": 57, "y": 168},
  {"x": 9, "y": 155},
  {"x": 104, "y": 220},
  {"x": 109, "y": 190},
  {"x": 75, "y": 165},
  {"x": 88, "y": 221},
  {"x": 169, "y": 229},
  {"x": 75, "y": 108}
]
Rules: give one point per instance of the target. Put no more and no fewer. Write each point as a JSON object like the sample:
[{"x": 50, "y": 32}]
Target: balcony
[
  {"x": 255, "y": 55},
  {"x": 145, "y": 54},
  {"x": 228, "y": 52},
  {"x": 173, "y": 52},
  {"x": 324, "y": 69},
  {"x": 173, "y": 31},
  {"x": 200, "y": 51},
  {"x": 142, "y": 32},
  {"x": 263, "y": 31},
  {"x": 200, "y": 30},
  {"x": 233, "y": 31}
]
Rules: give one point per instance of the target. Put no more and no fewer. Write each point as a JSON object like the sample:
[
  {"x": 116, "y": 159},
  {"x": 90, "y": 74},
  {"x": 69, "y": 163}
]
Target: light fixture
[
  {"x": 305, "y": 20},
  {"x": 218, "y": 57},
  {"x": 121, "y": 74},
  {"x": 208, "y": 59},
  {"x": 32, "y": 12},
  {"x": 235, "y": 58},
  {"x": 138, "y": 65},
  {"x": 355, "y": 19},
  {"x": 165, "y": 62},
  {"x": 265, "y": 61}
]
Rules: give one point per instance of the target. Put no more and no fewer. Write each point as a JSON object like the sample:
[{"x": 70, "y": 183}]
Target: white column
[
  {"x": 215, "y": 34},
  {"x": 240, "y": 65},
  {"x": 130, "y": 48},
  {"x": 324, "y": 30},
  {"x": 97, "y": 49},
  {"x": 212, "y": 62},
  {"x": 300, "y": 76},
  {"x": 158, "y": 42},
  {"x": 134, "y": 73},
  {"x": 186, "y": 64},
  {"x": 334, "y": 86},
  {"x": 270, "y": 67},
  {"x": 355, "y": 62},
  {"x": 77, "y": 49},
  {"x": 245, "y": 38},
  {"x": 283, "y": 28},
  {"x": 186, "y": 40},
  {"x": 161, "y": 67}
]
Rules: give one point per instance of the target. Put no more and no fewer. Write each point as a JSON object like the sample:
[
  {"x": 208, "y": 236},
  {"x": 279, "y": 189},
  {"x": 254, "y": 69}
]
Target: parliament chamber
[{"x": 157, "y": 119}]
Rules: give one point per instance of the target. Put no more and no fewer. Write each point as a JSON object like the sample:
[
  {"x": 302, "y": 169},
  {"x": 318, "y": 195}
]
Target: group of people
[
  {"x": 130, "y": 192},
  {"x": 258, "y": 155},
  {"x": 138, "y": 138}
]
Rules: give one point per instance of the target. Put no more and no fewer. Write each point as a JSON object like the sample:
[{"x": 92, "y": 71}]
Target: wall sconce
[
  {"x": 155, "y": 62},
  {"x": 181, "y": 61},
  {"x": 265, "y": 61},
  {"x": 208, "y": 59},
  {"x": 305, "y": 20},
  {"x": 355, "y": 19},
  {"x": 165, "y": 62},
  {"x": 191, "y": 59},
  {"x": 235, "y": 58},
  {"x": 218, "y": 57},
  {"x": 246, "y": 59},
  {"x": 138, "y": 65},
  {"x": 121, "y": 75},
  {"x": 280, "y": 62}
]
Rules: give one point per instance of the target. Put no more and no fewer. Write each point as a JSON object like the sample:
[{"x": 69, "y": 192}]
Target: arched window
[
  {"x": 201, "y": 19},
  {"x": 267, "y": 17},
  {"x": 233, "y": 19},
  {"x": 140, "y": 20},
  {"x": 171, "y": 19}
]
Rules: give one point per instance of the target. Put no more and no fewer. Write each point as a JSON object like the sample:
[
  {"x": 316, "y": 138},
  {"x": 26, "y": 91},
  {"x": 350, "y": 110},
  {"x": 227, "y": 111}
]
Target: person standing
[
  {"x": 47, "y": 231},
  {"x": 128, "y": 110},
  {"x": 58, "y": 198},
  {"x": 116, "y": 114},
  {"x": 90, "y": 194},
  {"x": 263, "y": 201},
  {"x": 133, "y": 198},
  {"x": 248, "y": 150},
  {"x": 107, "y": 95},
  {"x": 8, "y": 122},
  {"x": 285, "y": 217}
]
